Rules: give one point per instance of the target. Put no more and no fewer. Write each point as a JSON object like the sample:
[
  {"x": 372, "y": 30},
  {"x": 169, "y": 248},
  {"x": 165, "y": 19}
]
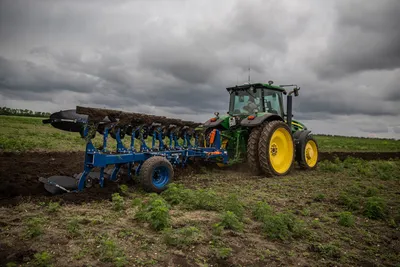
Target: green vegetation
[
  {"x": 53, "y": 207},
  {"x": 346, "y": 218},
  {"x": 155, "y": 211},
  {"x": 343, "y": 213},
  {"x": 342, "y": 143},
  {"x": 279, "y": 225},
  {"x": 19, "y": 133},
  {"x": 73, "y": 227},
  {"x": 42, "y": 259},
  {"x": 229, "y": 220},
  {"x": 202, "y": 199},
  {"x": 118, "y": 202},
  {"x": 22, "y": 112},
  {"x": 34, "y": 227},
  {"x": 375, "y": 208},
  {"x": 182, "y": 237},
  {"x": 109, "y": 251}
]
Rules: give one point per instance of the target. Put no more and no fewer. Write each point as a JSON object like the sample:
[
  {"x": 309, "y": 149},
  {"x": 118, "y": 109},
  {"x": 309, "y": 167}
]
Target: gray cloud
[
  {"x": 176, "y": 58},
  {"x": 366, "y": 37}
]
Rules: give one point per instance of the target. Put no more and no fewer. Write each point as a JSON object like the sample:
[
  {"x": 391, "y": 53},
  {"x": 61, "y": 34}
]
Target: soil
[{"x": 19, "y": 174}]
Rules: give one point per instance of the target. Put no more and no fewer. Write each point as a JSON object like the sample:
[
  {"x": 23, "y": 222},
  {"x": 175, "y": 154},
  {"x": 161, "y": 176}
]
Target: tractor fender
[
  {"x": 299, "y": 140},
  {"x": 210, "y": 123},
  {"x": 300, "y": 136},
  {"x": 260, "y": 119}
]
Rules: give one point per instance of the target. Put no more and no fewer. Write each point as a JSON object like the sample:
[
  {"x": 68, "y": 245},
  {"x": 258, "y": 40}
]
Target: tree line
[{"x": 22, "y": 112}]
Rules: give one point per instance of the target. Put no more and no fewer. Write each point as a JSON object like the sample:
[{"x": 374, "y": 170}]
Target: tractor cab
[{"x": 255, "y": 98}]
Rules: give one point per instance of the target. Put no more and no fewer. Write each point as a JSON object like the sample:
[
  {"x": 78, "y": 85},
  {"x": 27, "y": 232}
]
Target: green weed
[
  {"x": 73, "y": 227},
  {"x": 203, "y": 199},
  {"x": 327, "y": 250},
  {"x": 233, "y": 204},
  {"x": 222, "y": 252},
  {"x": 329, "y": 166},
  {"x": 53, "y": 207},
  {"x": 319, "y": 197},
  {"x": 42, "y": 259},
  {"x": 350, "y": 202},
  {"x": 229, "y": 220},
  {"x": 109, "y": 251},
  {"x": 34, "y": 227},
  {"x": 156, "y": 212},
  {"x": 175, "y": 194},
  {"x": 280, "y": 226},
  {"x": 262, "y": 210},
  {"x": 375, "y": 208},
  {"x": 118, "y": 202},
  {"x": 346, "y": 219},
  {"x": 371, "y": 192},
  {"x": 182, "y": 237},
  {"x": 124, "y": 189}
]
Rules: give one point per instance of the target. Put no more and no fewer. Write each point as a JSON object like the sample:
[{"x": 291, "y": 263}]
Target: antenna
[{"x": 249, "y": 70}]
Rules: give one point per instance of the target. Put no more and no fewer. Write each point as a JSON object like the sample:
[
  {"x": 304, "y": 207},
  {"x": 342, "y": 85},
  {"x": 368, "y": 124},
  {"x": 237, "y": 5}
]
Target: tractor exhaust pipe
[
  {"x": 289, "y": 99},
  {"x": 289, "y": 111}
]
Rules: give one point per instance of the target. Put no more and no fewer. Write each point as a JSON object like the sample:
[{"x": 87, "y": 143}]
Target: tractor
[{"x": 256, "y": 129}]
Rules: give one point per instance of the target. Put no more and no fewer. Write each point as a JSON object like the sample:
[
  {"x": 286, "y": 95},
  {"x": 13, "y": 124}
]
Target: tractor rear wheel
[
  {"x": 276, "y": 148},
  {"x": 307, "y": 153},
  {"x": 252, "y": 151},
  {"x": 155, "y": 174}
]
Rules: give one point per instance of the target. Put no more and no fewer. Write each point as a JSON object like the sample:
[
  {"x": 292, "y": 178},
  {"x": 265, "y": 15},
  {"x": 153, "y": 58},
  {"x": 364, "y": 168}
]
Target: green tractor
[{"x": 256, "y": 129}]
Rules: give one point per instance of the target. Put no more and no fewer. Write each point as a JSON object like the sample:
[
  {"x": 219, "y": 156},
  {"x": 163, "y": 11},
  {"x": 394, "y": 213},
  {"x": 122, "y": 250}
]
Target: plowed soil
[{"x": 19, "y": 174}]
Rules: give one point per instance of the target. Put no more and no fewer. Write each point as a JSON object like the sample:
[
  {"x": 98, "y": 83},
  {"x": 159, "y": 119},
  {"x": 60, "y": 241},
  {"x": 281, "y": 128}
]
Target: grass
[
  {"x": 28, "y": 133},
  {"x": 222, "y": 217},
  {"x": 342, "y": 143}
]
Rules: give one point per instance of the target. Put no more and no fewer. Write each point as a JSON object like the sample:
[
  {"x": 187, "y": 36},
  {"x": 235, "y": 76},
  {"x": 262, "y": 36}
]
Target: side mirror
[{"x": 296, "y": 91}]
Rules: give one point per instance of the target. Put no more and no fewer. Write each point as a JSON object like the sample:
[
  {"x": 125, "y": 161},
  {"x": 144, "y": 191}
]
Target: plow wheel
[
  {"x": 307, "y": 153},
  {"x": 155, "y": 174},
  {"x": 252, "y": 151},
  {"x": 276, "y": 148}
]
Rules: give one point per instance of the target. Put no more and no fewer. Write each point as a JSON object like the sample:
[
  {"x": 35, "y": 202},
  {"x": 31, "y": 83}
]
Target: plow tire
[
  {"x": 155, "y": 174},
  {"x": 307, "y": 153},
  {"x": 252, "y": 151},
  {"x": 276, "y": 149}
]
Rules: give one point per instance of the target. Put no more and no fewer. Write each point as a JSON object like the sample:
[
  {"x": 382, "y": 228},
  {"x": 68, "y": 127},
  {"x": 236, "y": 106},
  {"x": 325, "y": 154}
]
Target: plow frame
[{"x": 177, "y": 155}]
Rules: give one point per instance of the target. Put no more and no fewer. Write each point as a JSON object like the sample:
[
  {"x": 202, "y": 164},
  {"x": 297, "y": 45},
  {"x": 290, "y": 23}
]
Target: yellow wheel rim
[
  {"x": 281, "y": 150},
  {"x": 311, "y": 153}
]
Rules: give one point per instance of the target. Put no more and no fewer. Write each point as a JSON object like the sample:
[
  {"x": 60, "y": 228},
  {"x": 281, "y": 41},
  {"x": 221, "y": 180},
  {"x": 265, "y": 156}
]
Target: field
[
  {"x": 345, "y": 213},
  {"x": 27, "y": 134}
]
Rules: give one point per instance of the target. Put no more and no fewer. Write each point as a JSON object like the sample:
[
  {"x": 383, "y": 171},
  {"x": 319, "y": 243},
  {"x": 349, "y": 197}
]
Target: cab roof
[{"x": 256, "y": 85}]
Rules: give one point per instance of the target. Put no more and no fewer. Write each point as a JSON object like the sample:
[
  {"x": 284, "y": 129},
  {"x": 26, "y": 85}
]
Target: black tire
[
  {"x": 301, "y": 155},
  {"x": 264, "y": 148},
  {"x": 147, "y": 173},
  {"x": 252, "y": 151}
]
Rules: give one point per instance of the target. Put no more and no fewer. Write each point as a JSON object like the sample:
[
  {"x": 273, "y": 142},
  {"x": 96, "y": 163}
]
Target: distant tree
[{"x": 22, "y": 112}]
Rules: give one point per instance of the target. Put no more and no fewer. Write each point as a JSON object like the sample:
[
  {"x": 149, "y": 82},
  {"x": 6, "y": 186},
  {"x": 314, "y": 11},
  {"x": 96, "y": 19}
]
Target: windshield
[
  {"x": 262, "y": 100},
  {"x": 245, "y": 102}
]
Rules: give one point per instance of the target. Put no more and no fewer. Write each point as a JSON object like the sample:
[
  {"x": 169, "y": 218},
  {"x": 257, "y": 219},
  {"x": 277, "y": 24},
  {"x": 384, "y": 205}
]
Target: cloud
[
  {"x": 176, "y": 58},
  {"x": 366, "y": 37}
]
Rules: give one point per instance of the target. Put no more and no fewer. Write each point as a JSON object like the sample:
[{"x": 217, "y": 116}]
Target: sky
[{"x": 175, "y": 58}]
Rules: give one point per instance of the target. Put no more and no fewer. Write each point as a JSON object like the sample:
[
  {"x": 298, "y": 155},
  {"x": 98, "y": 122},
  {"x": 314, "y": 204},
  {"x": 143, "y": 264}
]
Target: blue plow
[{"x": 174, "y": 143}]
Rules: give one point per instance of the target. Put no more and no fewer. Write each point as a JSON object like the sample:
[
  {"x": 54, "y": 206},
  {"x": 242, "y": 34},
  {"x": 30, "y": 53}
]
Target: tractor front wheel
[
  {"x": 307, "y": 153},
  {"x": 276, "y": 148}
]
